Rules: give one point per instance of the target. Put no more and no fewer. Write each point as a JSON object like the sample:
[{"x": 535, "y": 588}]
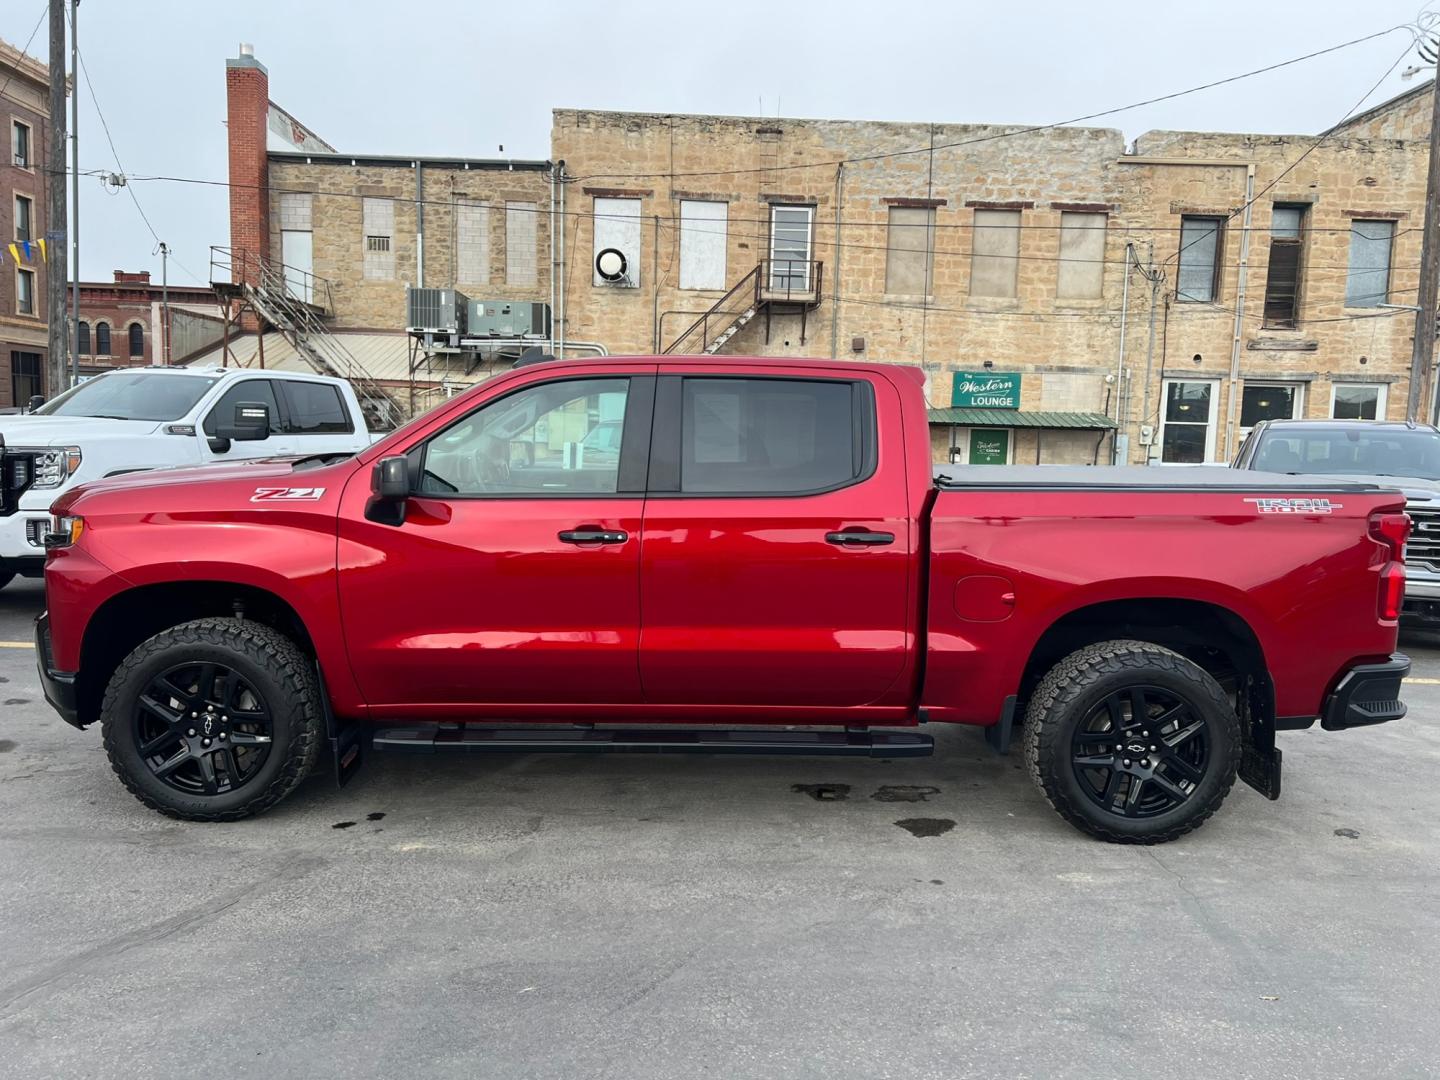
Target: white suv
[{"x": 142, "y": 418}]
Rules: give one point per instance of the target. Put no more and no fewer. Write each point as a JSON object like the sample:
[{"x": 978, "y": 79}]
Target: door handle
[
  {"x": 591, "y": 535},
  {"x": 859, "y": 536}
]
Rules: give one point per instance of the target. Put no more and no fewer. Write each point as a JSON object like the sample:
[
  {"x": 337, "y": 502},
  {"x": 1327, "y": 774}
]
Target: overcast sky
[{"x": 463, "y": 77}]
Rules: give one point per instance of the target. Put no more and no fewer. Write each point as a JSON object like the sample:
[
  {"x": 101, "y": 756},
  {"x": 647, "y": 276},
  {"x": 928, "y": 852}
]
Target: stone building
[
  {"x": 1071, "y": 298},
  {"x": 24, "y": 111}
]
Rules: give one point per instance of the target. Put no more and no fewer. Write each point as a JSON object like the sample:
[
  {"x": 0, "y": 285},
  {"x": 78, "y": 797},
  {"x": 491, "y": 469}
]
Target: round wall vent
[{"x": 610, "y": 264}]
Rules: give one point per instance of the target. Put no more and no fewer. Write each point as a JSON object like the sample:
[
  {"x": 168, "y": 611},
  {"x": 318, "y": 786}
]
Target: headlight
[
  {"x": 64, "y": 531},
  {"x": 54, "y": 467}
]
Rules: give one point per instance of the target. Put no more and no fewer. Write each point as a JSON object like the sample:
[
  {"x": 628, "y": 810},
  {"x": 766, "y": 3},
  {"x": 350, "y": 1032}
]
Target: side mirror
[
  {"x": 389, "y": 489},
  {"x": 251, "y": 423},
  {"x": 36, "y": 400}
]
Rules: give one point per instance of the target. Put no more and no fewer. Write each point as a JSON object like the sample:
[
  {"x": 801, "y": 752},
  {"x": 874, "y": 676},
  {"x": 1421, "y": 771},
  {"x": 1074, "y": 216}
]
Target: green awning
[{"x": 1014, "y": 418}]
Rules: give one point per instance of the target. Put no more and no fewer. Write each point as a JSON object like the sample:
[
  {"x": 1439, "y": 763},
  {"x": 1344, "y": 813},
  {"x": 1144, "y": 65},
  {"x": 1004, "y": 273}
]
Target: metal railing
[
  {"x": 268, "y": 285},
  {"x": 791, "y": 281},
  {"x": 743, "y": 296}
]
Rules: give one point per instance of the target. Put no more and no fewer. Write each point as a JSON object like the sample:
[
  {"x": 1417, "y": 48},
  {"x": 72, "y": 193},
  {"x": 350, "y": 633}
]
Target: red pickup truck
[{"x": 759, "y": 558}]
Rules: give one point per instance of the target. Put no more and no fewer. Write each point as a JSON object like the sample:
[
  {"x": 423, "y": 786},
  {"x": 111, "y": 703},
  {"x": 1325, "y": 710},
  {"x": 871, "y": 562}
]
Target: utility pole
[
  {"x": 75, "y": 187},
  {"x": 164, "y": 302},
  {"x": 1423, "y": 353},
  {"x": 58, "y": 341}
]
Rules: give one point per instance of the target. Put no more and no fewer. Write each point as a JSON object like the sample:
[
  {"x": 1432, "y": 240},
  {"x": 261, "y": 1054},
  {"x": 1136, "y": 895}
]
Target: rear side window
[
  {"x": 773, "y": 436},
  {"x": 248, "y": 392},
  {"x": 315, "y": 409}
]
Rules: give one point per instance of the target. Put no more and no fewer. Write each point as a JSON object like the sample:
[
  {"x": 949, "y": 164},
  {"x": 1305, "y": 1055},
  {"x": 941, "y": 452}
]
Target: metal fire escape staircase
[
  {"x": 294, "y": 301},
  {"x": 786, "y": 284}
]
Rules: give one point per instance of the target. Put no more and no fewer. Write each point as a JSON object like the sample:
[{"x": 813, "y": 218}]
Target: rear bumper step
[{"x": 435, "y": 738}]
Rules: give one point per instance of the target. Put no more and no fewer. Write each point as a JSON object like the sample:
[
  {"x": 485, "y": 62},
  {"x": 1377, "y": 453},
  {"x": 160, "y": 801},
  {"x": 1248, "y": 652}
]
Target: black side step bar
[{"x": 434, "y": 738}]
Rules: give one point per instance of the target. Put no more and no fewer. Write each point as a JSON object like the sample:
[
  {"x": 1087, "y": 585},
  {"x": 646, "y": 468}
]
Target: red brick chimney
[{"x": 247, "y": 101}]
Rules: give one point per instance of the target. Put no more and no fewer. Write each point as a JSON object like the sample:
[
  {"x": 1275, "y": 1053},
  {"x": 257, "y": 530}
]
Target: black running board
[{"x": 434, "y": 738}]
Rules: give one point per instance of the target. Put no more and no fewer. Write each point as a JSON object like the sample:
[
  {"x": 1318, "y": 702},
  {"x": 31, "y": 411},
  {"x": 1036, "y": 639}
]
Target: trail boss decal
[
  {"x": 286, "y": 494},
  {"x": 1295, "y": 506}
]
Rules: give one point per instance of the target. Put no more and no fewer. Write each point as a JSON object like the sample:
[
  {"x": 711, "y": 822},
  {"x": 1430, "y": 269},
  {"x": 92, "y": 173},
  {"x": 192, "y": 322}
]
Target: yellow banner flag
[
  {"x": 15, "y": 253},
  {"x": 43, "y": 256}
]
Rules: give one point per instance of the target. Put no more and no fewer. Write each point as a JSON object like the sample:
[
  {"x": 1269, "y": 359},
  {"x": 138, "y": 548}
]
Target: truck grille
[{"x": 1422, "y": 550}]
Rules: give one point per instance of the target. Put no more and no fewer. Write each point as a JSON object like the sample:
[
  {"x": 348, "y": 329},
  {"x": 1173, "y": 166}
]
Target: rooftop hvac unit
[
  {"x": 436, "y": 311},
  {"x": 508, "y": 319}
]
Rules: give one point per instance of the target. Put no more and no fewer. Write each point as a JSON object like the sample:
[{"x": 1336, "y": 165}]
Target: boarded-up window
[
  {"x": 995, "y": 253},
  {"x": 1368, "y": 282},
  {"x": 1198, "y": 279},
  {"x": 702, "y": 244},
  {"x": 910, "y": 251},
  {"x": 472, "y": 242},
  {"x": 1081, "y": 273},
  {"x": 521, "y": 222},
  {"x": 379, "y": 230},
  {"x": 617, "y": 225},
  {"x": 1282, "y": 278}
]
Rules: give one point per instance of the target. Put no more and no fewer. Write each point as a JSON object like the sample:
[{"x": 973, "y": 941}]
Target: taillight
[{"x": 1392, "y": 530}]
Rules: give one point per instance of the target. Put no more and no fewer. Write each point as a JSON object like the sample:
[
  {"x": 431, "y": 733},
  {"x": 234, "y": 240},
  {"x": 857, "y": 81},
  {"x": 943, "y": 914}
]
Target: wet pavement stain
[
  {"x": 343, "y": 825},
  {"x": 904, "y": 793},
  {"x": 6, "y": 745},
  {"x": 375, "y": 815},
  {"x": 17, "y": 701},
  {"x": 823, "y": 792},
  {"x": 926, "y": 826},
  {"x": 1348, "y": 834}
]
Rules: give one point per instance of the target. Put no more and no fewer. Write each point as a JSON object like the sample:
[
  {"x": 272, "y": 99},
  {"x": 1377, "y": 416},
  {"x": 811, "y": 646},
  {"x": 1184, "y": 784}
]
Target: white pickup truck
[{"x": 142, "y": 418}]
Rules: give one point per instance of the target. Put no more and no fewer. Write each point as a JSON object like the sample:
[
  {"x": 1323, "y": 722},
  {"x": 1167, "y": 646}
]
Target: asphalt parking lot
[{"x": 625, "y": 917}]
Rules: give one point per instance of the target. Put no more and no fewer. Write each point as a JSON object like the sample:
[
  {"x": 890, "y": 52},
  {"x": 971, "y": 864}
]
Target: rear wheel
[
  {"x": 213, "y": 720},
  {"x": 1131, "y": 742}
]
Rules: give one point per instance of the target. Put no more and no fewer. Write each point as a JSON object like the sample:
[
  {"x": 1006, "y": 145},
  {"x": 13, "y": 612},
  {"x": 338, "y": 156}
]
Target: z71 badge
[
  {"x": 1295, "y": 506},
  {"x": 286, "y": 494}
]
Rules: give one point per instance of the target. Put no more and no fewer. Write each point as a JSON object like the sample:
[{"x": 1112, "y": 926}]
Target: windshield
[
  {"x": 1380, "y": 451},
  {"x": 159, "y": 395}
]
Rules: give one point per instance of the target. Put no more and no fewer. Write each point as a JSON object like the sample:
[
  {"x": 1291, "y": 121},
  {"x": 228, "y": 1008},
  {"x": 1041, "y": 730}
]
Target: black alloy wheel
[
  {"x": 202, "y": 728},
  {"x": 1140, "y": 752}
]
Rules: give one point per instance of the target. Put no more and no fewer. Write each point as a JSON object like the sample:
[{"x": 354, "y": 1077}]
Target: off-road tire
[
  {"x": 271, "y": 663},
  {"x": 1080, "y": 682}
]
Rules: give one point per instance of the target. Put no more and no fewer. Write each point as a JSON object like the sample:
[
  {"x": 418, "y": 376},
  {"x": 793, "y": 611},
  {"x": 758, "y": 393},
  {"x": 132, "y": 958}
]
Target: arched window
[
  {"x": 102, "y": 339},
  {"x": 83, "y": 345},
  {"x": 137, "y": 339}
]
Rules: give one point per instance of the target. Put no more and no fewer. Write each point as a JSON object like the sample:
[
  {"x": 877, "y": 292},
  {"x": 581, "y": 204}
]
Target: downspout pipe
[
  {"x": 419, "y": 224},
  {"x": 1232, "y": 406},
  {"x": 835, "y": 271},
  {"x": 1121, "y": 442},
  {"x": 559, "y": 324}
]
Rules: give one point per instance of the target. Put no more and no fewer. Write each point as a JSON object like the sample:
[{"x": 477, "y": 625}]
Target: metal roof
[
  {"x": 1013, "y": 418},
  {"x": 384, "y": 357}
]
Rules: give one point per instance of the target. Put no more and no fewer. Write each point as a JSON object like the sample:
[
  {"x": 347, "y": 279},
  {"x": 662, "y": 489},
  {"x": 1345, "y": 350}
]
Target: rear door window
[{"x": 315, "y": 409}]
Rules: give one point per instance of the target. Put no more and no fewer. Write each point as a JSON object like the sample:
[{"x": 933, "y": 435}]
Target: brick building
[
  {"x": 1010, "y": 263},
  {"x": 122, "y": 322},
  {"x": 24, "y": 111}
]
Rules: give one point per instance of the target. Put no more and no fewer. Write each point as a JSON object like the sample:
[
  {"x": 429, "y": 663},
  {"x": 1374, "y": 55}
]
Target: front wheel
[
  {"x": 213, "y": 720},
  {"x": 1131, "y": 742}
]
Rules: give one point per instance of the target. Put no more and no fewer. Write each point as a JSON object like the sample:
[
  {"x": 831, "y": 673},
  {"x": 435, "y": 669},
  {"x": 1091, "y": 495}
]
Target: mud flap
[
  {"x": 346, "y": 738},
  {"x": 1259, "y": 759},
  {"x": 1260, "y": 768},
  {"x": 999, "y": 734}
]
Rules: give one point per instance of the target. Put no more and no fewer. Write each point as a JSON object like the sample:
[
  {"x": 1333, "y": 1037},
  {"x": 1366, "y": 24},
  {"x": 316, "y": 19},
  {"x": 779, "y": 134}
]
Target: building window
[
  {"x": 617, "y": 226},
  {"x": 137, "y": 340},
  {"x": 82, "y": 338},
  {"x": 792, "y": 247},
  {"x": 910, "y": 251},
  {"x": 1200, "y": 246},
  {"x": 20, "y": 144},
  {"x": 1081, "y": 272},
  {"x": 1358, "y": 401},
  {"x": 379, "y": 229},
  {"x": 1282, "y": 280},
  {"x": 25, "y": 292},
  {"x": 24, "y": 218},
  {"x": 1270, "y": 401},
  {"x": 1368, "y": 281},
  {"x": 26, "y": 377},
  {"x": 472, "y": 242},
  {"x": 521, "y": 228},
  {"x": 702, "y": 243},
  {"x": 102, "y": 339},
  {"x": 995, "y": 253},
  {"x": 1187, "y": 422}
]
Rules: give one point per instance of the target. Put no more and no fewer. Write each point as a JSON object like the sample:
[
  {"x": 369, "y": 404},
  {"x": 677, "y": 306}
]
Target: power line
[
  {"x": 24, "y": 49},
  {"x": 1004, "y": 134}
]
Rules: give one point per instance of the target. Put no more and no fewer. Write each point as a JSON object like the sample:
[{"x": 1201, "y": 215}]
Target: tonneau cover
[{"x": 1138, "y": 477}]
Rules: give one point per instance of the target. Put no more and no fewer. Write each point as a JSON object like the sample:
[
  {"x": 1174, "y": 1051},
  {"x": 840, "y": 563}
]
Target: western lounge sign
[{"x": 985, "y": 390}]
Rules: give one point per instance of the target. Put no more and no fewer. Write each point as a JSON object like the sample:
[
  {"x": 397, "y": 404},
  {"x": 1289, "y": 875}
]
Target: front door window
[
  {"x": 1187, "y": 429},
  {"x": 790, "y": 228}
]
